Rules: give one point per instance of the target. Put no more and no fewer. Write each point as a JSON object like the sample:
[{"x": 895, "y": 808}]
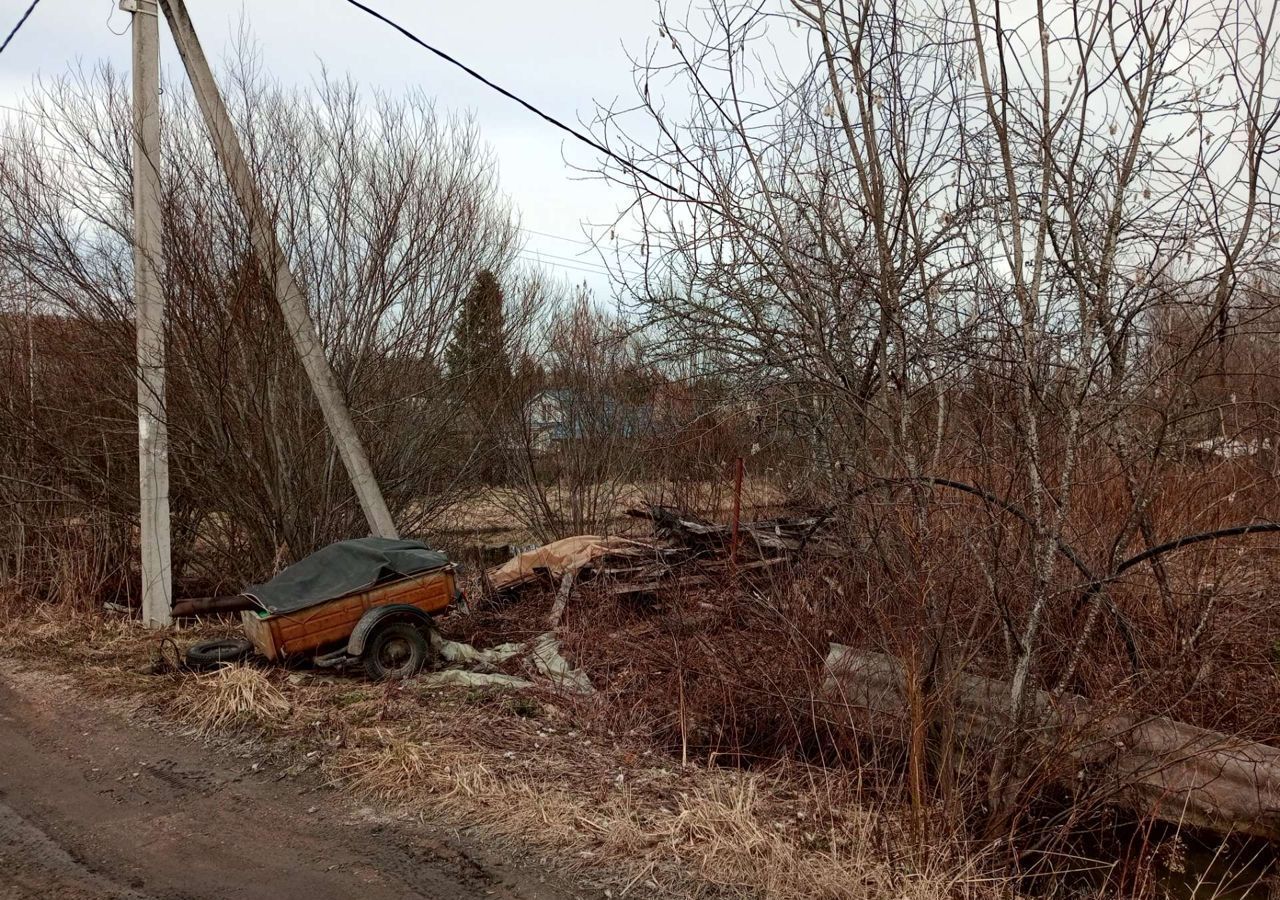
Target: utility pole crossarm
[{"x": 271, "y": 256}]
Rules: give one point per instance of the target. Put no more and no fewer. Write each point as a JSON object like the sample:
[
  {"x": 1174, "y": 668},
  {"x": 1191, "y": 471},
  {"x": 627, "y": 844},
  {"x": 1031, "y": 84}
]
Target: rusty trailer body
[{"x": 330, "y": 624}]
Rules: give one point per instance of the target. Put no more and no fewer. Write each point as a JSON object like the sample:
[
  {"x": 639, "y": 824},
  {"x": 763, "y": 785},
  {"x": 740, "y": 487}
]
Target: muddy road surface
[{"x": 93, "y": 806}]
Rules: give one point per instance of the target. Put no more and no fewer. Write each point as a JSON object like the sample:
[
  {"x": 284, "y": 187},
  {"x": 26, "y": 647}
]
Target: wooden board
[{"x": 331, "y": 623}]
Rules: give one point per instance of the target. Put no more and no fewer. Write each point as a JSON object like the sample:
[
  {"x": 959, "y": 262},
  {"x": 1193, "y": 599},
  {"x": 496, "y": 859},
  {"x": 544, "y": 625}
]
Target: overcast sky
[{"x": 561, "y": 56}]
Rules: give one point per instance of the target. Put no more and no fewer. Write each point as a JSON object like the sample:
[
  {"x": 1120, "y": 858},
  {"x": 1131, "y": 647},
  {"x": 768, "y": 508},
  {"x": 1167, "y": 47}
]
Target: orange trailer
[
  {"x": 336, "y": 622},
  {"x": 369, "y": 600}
]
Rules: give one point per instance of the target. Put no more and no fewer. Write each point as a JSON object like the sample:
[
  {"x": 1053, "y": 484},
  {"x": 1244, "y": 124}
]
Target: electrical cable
[
  {"x": 581, "y": 263},
  {"x": 21, "y": 22},
  {"x": 573, "y": 132},
  {"x": 111, "y": 15},
  {"x": 529, "y": 257}
]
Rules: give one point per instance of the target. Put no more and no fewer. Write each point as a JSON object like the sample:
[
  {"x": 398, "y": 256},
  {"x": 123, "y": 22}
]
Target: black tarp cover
[{"x": 344, "y": 568}]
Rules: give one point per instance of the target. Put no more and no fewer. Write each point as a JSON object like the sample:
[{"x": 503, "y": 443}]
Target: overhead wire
[
  {"x": 22, "y": 21},
  {"x": 34, "y": 113},
  {"x": 583, "y": 242},
  {"x": 533, "y": 257},
  {"x": 32, "y": 142},
  {"x": 582, "y": 266},
  {"x": 547, "y": 117},
  {"x": 123, "y": 31},
  {"x": 576, "y": 261}
]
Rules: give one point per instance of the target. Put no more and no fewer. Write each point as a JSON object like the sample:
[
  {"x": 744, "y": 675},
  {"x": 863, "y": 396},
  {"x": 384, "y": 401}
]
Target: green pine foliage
[{"x": 477, "y": 356}]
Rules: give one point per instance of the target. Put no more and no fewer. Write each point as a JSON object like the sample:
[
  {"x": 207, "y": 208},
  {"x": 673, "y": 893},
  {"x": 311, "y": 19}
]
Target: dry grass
[
  {"x": 531, "y": 771},
  {"x": 490, "y": 509},
  {"x": 230, "y": 698},
  {"x": 673, "y": 831}
]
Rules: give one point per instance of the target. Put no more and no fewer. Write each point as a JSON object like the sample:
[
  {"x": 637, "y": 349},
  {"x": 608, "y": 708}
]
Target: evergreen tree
[{"x": 477, "y": 355}]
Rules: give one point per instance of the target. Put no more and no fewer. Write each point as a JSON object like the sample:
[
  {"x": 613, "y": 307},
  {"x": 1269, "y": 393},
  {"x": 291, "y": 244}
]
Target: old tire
[
  {"x": 217, "y": 652},
  {"x": 396, "y": 650}
]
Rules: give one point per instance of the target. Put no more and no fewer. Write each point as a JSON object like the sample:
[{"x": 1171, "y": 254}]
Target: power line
[
  {"x": 22, "y": 139},
  {"x": 573, "y": 132},
  {"x": 34, "y": 113},
  {"x": 577, "y": 261},
  {"x": 542, "y": 261},
  {"x": 21, "y": 22},
  {"x": 604, "y": 268},
  {"x": 582, "y": 242}
]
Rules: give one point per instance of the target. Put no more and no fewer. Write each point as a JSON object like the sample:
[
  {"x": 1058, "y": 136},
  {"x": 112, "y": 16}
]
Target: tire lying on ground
[{"x": 217, "y": 652}]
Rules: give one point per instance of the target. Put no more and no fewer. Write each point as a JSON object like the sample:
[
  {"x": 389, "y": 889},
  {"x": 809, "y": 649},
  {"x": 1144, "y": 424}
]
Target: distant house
[
  {"x": 1230, "y": 448},
  {"x": 556, "y": 416}
]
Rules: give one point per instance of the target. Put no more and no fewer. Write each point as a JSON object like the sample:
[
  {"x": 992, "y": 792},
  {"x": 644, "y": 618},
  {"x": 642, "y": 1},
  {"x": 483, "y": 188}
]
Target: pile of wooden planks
[
  {"x": 765, "y": 539},
  {"x": 685, "y": 552}
]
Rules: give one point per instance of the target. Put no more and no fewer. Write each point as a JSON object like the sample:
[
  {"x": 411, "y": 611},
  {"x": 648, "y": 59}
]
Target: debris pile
[
  {"x": 686, "y": 551},
  {"x": 766, "y": 539}
]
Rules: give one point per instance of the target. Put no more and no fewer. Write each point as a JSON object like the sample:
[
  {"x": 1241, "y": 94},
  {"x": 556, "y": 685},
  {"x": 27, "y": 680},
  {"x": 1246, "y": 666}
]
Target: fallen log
[
  {"x": 203, "y": 606},
  {"x": 1152, "y": 766}
]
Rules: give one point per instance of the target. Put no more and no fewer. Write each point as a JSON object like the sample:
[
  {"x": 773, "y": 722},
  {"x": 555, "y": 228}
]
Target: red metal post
[{"x": 737, "y": 512}]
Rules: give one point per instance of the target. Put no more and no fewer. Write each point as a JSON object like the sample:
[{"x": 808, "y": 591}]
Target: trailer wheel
[
  {"x": 217, "y": 652},
  {"x": 396, "y": 650}
]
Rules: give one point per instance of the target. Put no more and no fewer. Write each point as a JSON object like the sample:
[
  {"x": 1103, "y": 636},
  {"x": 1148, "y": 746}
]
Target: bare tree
[
  {"x": 575, "y": 444},
  {"x": 387, "y": 211},
  {"x": 945, "y": 233}
]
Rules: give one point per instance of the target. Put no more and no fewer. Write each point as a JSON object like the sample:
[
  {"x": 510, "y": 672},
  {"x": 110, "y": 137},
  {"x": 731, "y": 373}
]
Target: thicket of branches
[
  {"x": 1027, "y": 248},
  {"x": 387, "y": 209}
]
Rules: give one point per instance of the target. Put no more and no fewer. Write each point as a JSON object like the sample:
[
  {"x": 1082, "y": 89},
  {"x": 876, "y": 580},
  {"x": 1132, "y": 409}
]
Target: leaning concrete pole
[
  {"x": 153, "y": 436},
  {"x": 272, "y": 258}
]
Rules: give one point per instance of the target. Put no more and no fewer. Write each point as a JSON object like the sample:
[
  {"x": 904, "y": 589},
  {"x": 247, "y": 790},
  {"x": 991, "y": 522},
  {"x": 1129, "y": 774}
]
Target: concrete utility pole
[
  {"x": 153, "y": 435},
  {"x": 272, "y": 258}
]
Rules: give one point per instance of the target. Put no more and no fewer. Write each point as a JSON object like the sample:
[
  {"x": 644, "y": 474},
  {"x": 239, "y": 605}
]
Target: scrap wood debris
[
  {"x": 685, "y": 551},
  {"x": 762, "y": 540}
]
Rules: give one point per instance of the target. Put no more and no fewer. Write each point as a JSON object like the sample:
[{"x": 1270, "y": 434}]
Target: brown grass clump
[
  {"x": 671, "y": 831},
  {"x": 231, "y": 698},
  {"x": 50, "y": 629}
]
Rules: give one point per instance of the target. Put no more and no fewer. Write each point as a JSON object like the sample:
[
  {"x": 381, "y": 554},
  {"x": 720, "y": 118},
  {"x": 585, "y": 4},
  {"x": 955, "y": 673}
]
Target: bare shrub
[
  {"x": 1026, "y": 255},
  {"x": 387, "y": 209},
  {"x": 575, "y": 444}
]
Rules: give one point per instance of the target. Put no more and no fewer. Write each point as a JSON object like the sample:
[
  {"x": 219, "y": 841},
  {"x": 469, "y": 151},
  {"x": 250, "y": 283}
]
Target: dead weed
[
  {"x": 230, "y": 698},
  {"x": 552, "y": 782}
]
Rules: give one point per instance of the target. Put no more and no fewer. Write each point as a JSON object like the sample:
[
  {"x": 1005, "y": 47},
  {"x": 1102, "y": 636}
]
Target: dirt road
[{"x": 92, "y": 806}]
